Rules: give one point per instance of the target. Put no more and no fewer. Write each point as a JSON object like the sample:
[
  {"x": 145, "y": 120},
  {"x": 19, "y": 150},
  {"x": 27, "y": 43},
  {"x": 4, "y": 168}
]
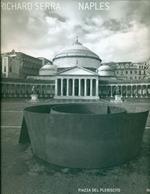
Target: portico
[{"x": 77, "y": 83}]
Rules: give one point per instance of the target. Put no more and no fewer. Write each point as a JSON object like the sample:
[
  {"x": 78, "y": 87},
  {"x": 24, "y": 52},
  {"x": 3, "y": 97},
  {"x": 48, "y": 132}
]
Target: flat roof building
[{"x": 19, "y": 65}]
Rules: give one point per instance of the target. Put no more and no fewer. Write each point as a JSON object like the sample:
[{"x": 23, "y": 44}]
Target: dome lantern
[{"x": 76, "y": 42}]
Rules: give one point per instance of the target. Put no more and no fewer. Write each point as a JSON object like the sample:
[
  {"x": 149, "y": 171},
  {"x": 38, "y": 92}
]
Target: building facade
[
  {"x": 76, "y": 72},
  {"x": 128, "y": 71},
  {"x": 76, "y": 82},
  {"x": 19, "y": 65}
]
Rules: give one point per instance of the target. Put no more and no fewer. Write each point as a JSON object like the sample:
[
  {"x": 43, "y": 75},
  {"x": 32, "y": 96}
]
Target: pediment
[{"x": 77, "y": 71}]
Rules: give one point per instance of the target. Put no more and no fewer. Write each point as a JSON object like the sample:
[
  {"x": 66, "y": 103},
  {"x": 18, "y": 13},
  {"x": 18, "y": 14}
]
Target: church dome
[
  {"x": 77, "y": 54},
  {"x": 48, "y": 69},
  {"x": 106, "y": 71}
]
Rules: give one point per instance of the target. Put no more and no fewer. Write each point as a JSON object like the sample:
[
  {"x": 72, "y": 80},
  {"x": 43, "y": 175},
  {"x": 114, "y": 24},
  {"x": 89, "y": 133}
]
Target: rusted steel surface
[{"x": 84, "y": 135}]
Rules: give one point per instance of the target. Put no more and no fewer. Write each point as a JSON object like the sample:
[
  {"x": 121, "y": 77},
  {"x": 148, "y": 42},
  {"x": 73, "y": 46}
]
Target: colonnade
[
  {"x": 76, "y": 87},
  {"x": 24, "y": 90},
  {"x": 125, "y": 90}
]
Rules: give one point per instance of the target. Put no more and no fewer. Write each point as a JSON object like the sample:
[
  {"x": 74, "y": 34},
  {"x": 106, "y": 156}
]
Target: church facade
[
  {"x": 76, "y": 82},
  {"x": 76, "y": 72}
]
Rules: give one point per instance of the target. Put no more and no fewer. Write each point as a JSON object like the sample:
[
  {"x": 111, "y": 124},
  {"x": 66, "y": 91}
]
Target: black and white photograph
[{"x": 75, "y": 96}]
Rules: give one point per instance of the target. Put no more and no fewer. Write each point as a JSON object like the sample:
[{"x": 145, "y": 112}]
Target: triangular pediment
[{"x": 77, "y": 71}]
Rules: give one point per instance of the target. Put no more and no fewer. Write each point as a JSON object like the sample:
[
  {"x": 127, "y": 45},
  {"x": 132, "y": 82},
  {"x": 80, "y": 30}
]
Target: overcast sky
[{"x": 121, "y": 33}]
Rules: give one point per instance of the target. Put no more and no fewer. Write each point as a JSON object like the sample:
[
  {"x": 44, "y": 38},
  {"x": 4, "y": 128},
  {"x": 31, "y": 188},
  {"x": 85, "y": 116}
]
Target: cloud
[
  {"x": 139, "y": 11},
  {"x": 52, "y": 14},
  {"x": 122, "y": 33},
  {"x": 117, "y": 25}
]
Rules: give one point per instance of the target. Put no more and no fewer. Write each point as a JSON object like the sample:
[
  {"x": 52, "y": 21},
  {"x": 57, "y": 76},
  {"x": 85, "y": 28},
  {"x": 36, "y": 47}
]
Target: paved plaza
[{"x": 22, "y": 173}]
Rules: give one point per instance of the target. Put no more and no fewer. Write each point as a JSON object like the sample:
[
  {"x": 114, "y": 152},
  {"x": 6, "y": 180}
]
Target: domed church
[
  {"x": 77, "y": 55},
  {"x": 77, "y": 72}
]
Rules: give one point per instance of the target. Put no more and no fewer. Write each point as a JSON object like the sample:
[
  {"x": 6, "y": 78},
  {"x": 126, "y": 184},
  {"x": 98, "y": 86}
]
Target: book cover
[{"x": 75, "y": 96}]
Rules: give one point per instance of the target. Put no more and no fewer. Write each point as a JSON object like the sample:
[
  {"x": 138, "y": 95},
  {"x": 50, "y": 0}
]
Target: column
[
  {"x": 90, "y": 87},
  {"x": 121, "y": 90},
  {"x": 111, "y": 94},
  {"x": 131, "y": 91},
  {"x": 146, "y": 91},
  {"x": 106, "y": 91},
  {"x": 23, "y": 90},
  {"x": 67, "y": 87},
  {"x": 56, "y": 87},
  {"x": 45, "y": 90},
  {"x": 40, "y": 90},
  {"x": 61, "y": 94},
  {"x": 126, "y": 91},
  {"x": 26, "y": 90},
  {"x": 97, "y": 87},
  {"x": 79, "y": 93},
  {"x": 14, "y": 89},
  {"x": 136, "y": 91},
  {"x": 85, "y": 87},
  {"x": 141, "y": 92},
  {"x": 72, "y": 87}
]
